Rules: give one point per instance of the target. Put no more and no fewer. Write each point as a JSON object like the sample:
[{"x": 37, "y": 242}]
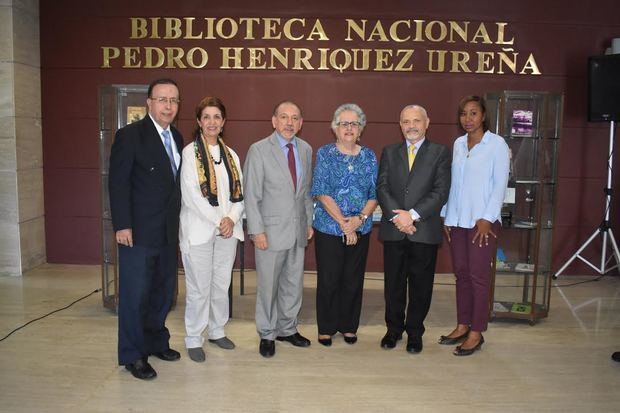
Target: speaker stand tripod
[{"x": 605, "y": 228}]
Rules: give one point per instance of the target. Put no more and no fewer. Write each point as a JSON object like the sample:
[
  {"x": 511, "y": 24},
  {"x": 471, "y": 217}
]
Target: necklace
[
  {"x": 211, "y": 156},
  {"x": 348, "y": 158}
]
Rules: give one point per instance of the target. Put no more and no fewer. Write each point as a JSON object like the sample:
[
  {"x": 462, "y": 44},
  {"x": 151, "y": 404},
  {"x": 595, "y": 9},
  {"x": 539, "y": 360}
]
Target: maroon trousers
[{"x": 472, "y": 267}]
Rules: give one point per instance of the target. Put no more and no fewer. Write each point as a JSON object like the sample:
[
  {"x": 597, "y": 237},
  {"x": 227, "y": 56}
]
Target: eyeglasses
[
  {"x": 164, "y": 100},
  {"x": 346, "y": 125}
]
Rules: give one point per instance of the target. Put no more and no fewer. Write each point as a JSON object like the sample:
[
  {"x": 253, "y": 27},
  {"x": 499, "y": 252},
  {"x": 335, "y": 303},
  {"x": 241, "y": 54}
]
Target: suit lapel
[
  {"x": 304, "y": 165},
  {"x": 157, "y": 147},
  {"x": 178, "y": 140},
  {"x": 281, "y": 161},
  {"x": 403, "y": 161}
]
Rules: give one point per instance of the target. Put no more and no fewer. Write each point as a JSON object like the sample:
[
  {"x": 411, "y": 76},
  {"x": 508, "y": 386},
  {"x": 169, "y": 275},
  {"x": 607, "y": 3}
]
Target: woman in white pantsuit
[{"x": 211, "y": 226}]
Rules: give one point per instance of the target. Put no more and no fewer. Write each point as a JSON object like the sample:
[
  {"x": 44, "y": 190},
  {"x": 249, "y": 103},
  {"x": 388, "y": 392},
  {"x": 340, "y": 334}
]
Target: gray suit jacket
[
  {"x": 271, "y": 204},
  {"x": 424, "y": 189}
]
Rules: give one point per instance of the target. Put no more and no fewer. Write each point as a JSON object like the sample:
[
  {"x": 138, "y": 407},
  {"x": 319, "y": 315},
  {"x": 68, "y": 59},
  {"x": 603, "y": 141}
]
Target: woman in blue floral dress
[{"x": 343, "y": 185}]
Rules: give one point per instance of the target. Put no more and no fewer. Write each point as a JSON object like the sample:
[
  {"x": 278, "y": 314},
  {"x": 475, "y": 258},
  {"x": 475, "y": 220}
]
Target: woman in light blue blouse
[
  {"x": 480, "y": 165},
  {"x": 343, "y": 183}
]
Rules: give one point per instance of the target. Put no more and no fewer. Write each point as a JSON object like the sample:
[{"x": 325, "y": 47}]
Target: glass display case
[
  {"x": 530, "y": 123},
  {"x": 119, "y": 105}
]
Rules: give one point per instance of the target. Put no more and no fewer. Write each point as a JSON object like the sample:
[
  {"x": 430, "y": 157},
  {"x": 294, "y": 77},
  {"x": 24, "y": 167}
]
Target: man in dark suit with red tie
[
  {"x": 412, "y": 187},
  {"x": 145, "y": 200}
]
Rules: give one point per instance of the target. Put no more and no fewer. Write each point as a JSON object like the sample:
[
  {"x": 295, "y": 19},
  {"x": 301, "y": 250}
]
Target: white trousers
[{"x": 207, "y": 279}]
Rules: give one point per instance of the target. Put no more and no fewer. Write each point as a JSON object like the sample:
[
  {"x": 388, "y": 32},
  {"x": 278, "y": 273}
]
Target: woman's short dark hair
[
  {"x": 483, "y": 107},
  {"x": 212, "y": 101}
]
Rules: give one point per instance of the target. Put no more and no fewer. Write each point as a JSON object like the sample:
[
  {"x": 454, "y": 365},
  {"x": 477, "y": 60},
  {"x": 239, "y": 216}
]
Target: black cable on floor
[
  {"x": 579, "y": 282},
  {"x": 48, "y": 314}
]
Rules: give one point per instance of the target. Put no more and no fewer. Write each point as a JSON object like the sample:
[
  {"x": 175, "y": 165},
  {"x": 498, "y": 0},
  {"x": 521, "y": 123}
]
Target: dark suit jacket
[
  {"x": 424, "y": 189},
  {"x": 144, "y": 195}
]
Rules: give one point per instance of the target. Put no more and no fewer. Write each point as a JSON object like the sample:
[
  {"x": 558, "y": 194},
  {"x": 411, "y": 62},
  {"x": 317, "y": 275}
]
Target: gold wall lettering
[
  {"x": 210, "y": 28},
  {"x": 299, "y": 43},
  {"x": 420, "y": 30}
]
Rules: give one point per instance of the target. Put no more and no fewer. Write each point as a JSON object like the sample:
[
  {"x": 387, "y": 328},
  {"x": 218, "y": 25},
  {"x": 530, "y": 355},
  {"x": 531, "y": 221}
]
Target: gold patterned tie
[{"x": 411, "y": 153}]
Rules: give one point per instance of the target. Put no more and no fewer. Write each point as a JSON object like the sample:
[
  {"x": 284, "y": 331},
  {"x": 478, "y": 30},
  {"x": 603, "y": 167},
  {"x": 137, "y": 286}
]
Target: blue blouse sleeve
[{"x": 320, "y": 178}]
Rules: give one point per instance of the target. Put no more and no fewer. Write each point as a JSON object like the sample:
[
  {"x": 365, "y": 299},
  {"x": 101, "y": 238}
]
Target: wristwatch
[{"x": 363, "y": 217}]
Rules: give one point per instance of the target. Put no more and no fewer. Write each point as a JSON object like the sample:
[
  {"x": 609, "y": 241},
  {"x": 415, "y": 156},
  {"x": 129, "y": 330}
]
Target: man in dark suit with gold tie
[
  {"x": 145, "y": 200},
  {"x": 412, "y": 187}
]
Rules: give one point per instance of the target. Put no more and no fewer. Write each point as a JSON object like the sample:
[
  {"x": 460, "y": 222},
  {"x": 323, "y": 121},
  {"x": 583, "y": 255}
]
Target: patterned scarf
[{"x": 206, "y": 172}]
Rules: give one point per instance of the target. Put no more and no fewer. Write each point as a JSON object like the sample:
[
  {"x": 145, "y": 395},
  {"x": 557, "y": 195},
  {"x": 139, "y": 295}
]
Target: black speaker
[{"x": 604, "y": 88}]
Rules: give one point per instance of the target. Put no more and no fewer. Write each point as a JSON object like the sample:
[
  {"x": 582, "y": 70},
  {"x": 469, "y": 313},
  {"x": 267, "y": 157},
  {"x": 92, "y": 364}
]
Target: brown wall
[{"x": 560, "y": 34}]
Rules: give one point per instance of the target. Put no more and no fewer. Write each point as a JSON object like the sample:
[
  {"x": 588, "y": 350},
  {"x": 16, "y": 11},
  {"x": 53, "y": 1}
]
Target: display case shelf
[
  {"x": 517, "y": 268},
  {"x": 517, "y": 310}
]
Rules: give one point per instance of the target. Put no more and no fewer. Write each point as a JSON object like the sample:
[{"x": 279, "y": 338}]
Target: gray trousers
[{"x": 279, "y": 290}]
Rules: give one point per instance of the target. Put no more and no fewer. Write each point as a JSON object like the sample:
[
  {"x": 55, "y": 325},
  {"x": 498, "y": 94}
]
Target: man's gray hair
[{"x": 414, "y": 106}]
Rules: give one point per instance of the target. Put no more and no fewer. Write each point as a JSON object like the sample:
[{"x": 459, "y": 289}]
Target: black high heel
[{"x": 350, "y": 339}]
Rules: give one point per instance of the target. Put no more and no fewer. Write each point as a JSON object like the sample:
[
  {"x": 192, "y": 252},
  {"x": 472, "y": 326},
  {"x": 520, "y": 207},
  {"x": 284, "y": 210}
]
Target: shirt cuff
[
  {"x": 489, "y": 218},
  {"x": 414, "y": 215}
]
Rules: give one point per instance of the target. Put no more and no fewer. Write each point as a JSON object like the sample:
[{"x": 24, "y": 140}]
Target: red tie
[{"x": 291, "y": 164}]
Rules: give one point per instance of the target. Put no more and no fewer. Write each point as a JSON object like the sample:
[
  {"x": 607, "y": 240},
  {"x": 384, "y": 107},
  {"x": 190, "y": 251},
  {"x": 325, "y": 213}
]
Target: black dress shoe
[
  {"x": 460, "y": 351},
  {"x": 350, "y": 339},
  {"x": 450, "y": 341},
  {"x": 390, "y": 339},
  {"x": 267, "y": 348},
  {"x": 168, "y": 355},
  {"x": 295, "y": 339},
  {"x": 325, "y": 341},
  {"x": 141, "y": 369},
  {"x": 616, "y": 356},
  {"x": 414, "y": 344}
]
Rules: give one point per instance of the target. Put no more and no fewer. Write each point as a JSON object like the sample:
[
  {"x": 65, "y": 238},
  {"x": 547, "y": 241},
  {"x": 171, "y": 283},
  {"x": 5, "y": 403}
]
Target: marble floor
[{"x": 67, "y": 362}]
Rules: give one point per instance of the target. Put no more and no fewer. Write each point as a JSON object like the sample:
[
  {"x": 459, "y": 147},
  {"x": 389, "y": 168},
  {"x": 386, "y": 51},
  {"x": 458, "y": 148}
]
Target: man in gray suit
[
  {"x": 277, "y": 179},
  {"x": 412, "y": 187}
]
